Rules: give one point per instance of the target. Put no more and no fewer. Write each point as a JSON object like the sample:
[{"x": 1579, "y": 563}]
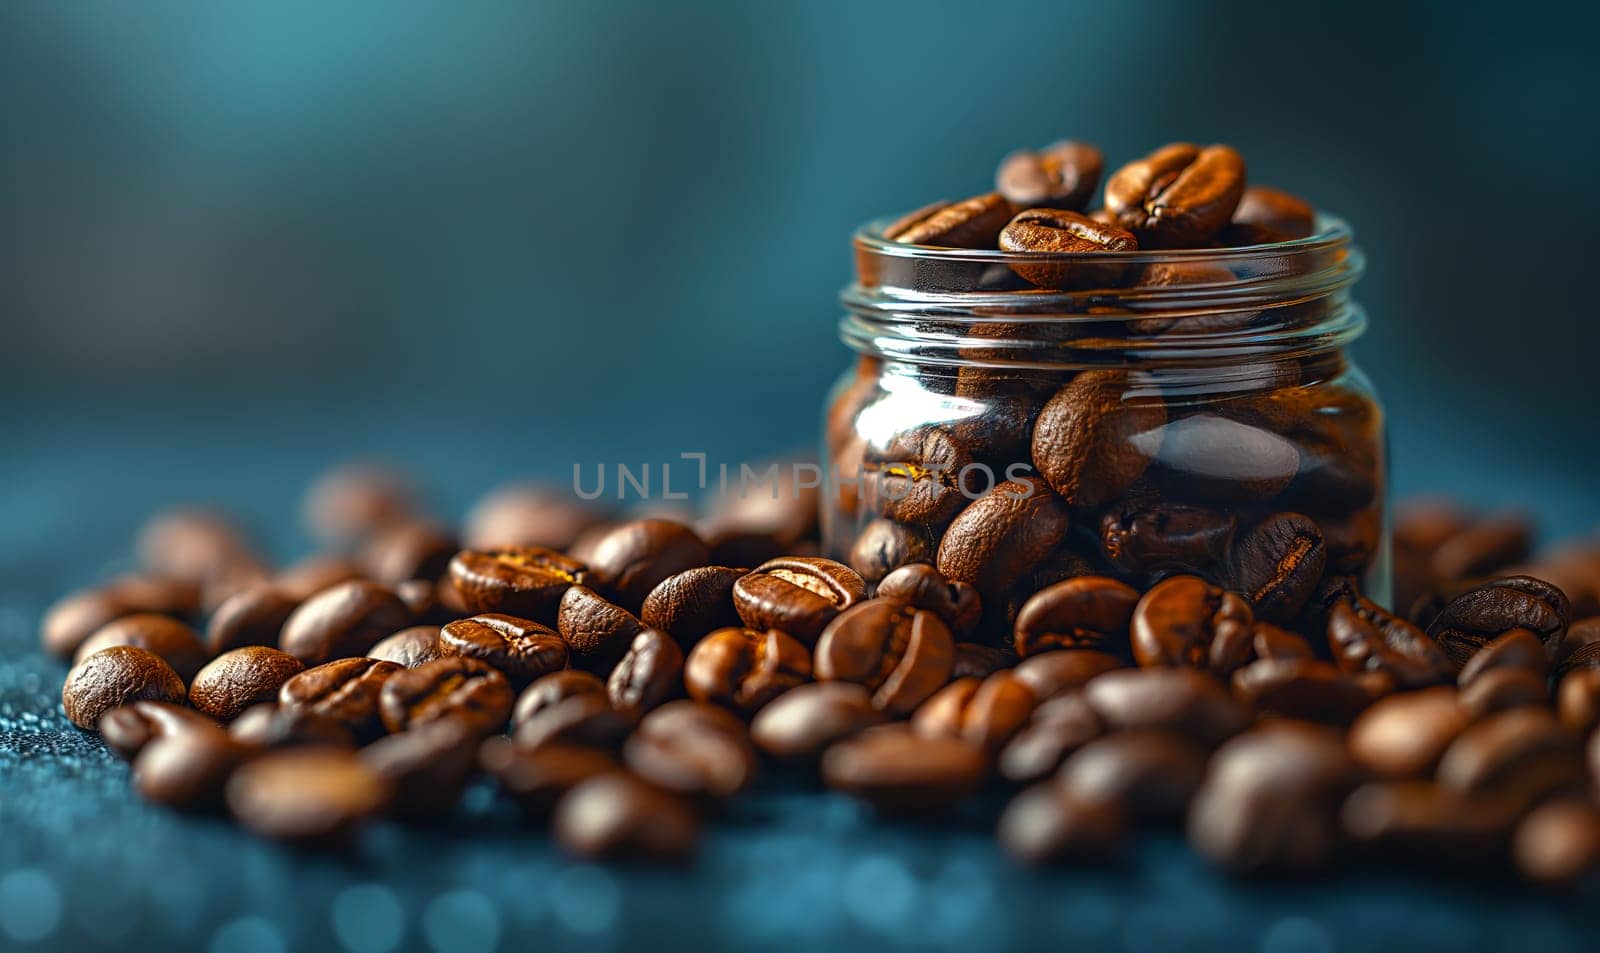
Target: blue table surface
[{"x": 84, "y": 863}]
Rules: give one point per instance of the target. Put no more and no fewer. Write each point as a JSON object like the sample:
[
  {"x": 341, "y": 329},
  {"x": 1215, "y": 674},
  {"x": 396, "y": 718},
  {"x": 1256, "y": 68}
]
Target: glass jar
[{"x": 1021, "y": 419}]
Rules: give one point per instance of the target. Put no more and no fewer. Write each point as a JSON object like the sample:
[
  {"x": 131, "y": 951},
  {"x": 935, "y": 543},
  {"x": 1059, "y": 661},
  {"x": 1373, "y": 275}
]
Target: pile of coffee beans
[{"x": 618, "y": 678}]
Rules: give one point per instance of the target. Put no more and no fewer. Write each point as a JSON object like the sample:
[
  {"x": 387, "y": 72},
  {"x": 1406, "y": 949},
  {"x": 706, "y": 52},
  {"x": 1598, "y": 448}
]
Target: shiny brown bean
[
  {"x": 346, "y": 690},
  {"x": 744, "y": 669},
  {"x": 900, "y": 653},
  {"x": 235, "y": 680},
  {"x": 797, "y": 595},
  {"x": 1089, "y": 612},
  {"x": 450, "y": 687},
  {"x": 521, "y": 649}
]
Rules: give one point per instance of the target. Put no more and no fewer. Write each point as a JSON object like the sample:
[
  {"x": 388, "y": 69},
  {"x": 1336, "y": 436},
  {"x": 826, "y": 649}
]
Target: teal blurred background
[{"x": 496, "y": 238}]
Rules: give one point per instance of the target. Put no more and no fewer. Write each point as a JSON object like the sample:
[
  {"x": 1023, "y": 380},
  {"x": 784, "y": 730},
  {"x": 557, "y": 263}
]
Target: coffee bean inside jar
[{"x": 1140, "y": 403}]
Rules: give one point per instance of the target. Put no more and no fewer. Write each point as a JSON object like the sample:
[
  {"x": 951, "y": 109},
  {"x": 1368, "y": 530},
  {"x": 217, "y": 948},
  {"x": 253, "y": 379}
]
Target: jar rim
[{"x": 970, "y": 306}]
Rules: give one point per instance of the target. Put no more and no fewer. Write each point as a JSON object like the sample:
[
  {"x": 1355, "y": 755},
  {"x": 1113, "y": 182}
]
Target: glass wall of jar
[{"x": 1021, "y": 419}]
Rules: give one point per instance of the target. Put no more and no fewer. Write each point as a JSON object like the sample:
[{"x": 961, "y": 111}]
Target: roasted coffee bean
[
  {"x": 1179, "y": 619},
  {"x": 536, "y": 778},
  {"x": 1056, "y": 728},
  {"x": 312, "y": 575},
  {"x": 1044, "y": 825},
  {"x": 352, "y": 501},
  {"x": 744, "y": 669},
  {"x": 1482, "y": 547},
  {"x": 1089, "y": 612},
  {"x": 634, "y": 557},
  {"x": 342, "y": 622},
  {"x": 1179, "y": 700},
  {"x": 1558, "y": 843},
  {"x": 1305, "y": 689},
  {"x": 970, "y": 223},
  {"x": 521, "y": 649},
  {"x": 1003, "y": 533},
  {"x": 1365, "y": 637},
  {"x": 1519, "y": 649},
  {"x": 798, "y": 595},
  {"x": 1283, "y": 216},
  {"x": 1053, "y": 673},
  {"x": 884, "y": 546},
  {"x": 414, "y": 549},
  {"x": 1209, "y": 458},
  {"x": 985, "y": 713},
  {"x": 899, "y": 772},
  {"x": 1277, "y": 565},
  {"x": 919, "y": 476},
  {"x": 449, "y": 687},
  {"x": 1271, "y": 800},
  {"x": 650, "y": 675},
  {"x": 586, "y": 718},
  {"x": 306, "y": 795},
  {"x": 552, "y": 688},
  {"x": 273, "y": 726},
  {"x": 1523, "y": 754},
  {"x": 251, "y": 616},
  {"x": 427, "y": 767},
  {"x": 1097, "y": 435},
  {"x": 614, "y": 815},
  {"x": 409, "y": 648},
  {"x": 191, "y": 545},
  {"x": 1150, "y": 536},
  {"x": 704, "y": 765},
  {"x": 900, "y": 653},
  {"x": 128, "y": 728},
  {"x": 597, "y": 631},
  {"x": 519, "y": 581},
  {"x": 692, "y": 603},
  {"x": 233, "y": 681},
  {"x": 527, "y": 515},
  {"x": 1482, "y": 613},
  {"x": 175, "y": 642},
  {"x": 1418, "y": 822},
  {"x": 1503, "y": 688},
  {"x": 799, "y": 724},
  {"x": 925, "y": 587},
  {"x": 688, "y": 715},
  {"x": 972, "y": 660},
  {"x": 1150, "y": 774},
  {"x": 1579, "y": 648},
  {"x": 79, "y": 615},
  {"x": 188, "y": 769},
  {"x": 1055, "y": 232},
  {"x": 1405, "y": 735},
  {"x": 1061, "y": 175},
  {"x": 1178, "y": 196},
  {"x": 346, "y": 690},
  {"x": 422, "y": 598},
  {"x": 1577, "y": 701}
]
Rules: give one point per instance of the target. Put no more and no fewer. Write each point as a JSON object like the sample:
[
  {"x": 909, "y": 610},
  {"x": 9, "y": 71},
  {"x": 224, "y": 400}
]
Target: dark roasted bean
[
  {"x": 704, "y": 764},
  {"x": 597, "y": 631},
  {"x": 1056, "y": 729},
  {"x": 1054, "y": 232},
  {"x": 536, "y": 778},
  {"x": 925, "y": 587},
  {"x": 409, "y": 647},
  {"x": 1282, "y": 215},
  {"x": 427, "y": 767},
  {"x": 552, "y": 688},
  {"x": 1277, "y": 564},
  {"x": 449, "y": 687},
  {"x": 900, "y": 653},
  {"x": 744, "y": 669},
  {"x": 1052, "y": 673},
  {"x": 1484, "y": 612},
  {"x": 1558, "y": 843},
  {"x": 1178, "y": 621},
  {"x": 1179, "y": 700},
  {"x": 649, "y": 675},
  {"x": 172, "y": 640},
  {"x": 312, "y": 575},
  {"x": 1307, "y": 689},
  {"x": 1003, "y": 533},
  {"x": 1097, "y": 435},
  {"x": 346, "y": 690},
  {"x": 634, "y": 557},
  {"x": 1524, "y": 754},
  {"x": 970, "y": 223},
  {"x": 972, "y": 660},
  {"x": 1178, "y": 196},
  {"x": 1519, "y": 648},
  {"x": 1502, "y": 688},
  {"x": 798, "y": 595},
  {"x": 919, "y": 477},
  {"x": 899, "y": 772},
  {"x": 985, "y": 713},
  {"x": 884, "y": 546},
  {"x": 188, "y": 769},
  {"x": 252, "y": 616},
  {"x": 306, "y": 795},
  {"x": 1149, "y": 536},
  {"x": 1418, "y": 822},
  {"x": 521, "y": 649},
  {"x": 1404, "y": 736},
  {"x": 1150, "y": 774},
  {"x": 1061, "y": 175},
  {"x": 343, "y": 621},
  {"x": 1044, "y": 824},
  {"x": 414, "y": 549},
  {"x": 1577, "y": 701},
  {"x": 799, "y": 724},
  {"x": 233, "y": 681},
  {"x": 1482, "y": 547},
  {"x": 1365, "y": 637},
  {"x": 128, "y": 728},
  {"x": 586, "y": 718},
  {"x": 692, "y": 603},
  {"x": 521, "y": 581},
  {"x": 272, "y": 726},
  {"x": 614, "y": 815},
  {"x": 1089, "y": 612}
]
